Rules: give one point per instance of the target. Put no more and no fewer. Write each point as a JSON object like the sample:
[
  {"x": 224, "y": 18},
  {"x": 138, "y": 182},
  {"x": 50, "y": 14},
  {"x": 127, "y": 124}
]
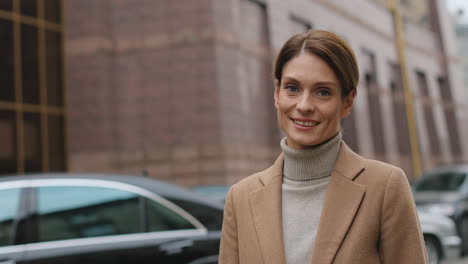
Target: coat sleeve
[
  {"x": 401, "y": 239},
  {"x": 229, "y": 249}
]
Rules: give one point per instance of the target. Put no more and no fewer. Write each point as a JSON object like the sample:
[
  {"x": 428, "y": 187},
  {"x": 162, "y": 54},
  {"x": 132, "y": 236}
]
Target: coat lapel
[
  {"x": 341, "y": 204},
  {"x": 266, "y": 210}
]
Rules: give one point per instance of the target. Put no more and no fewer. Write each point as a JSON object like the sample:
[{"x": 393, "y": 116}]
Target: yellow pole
[{"x": 400, "y": 44}]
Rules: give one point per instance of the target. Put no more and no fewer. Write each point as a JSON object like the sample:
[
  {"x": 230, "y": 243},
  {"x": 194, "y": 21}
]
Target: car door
[
  {"x": 91, "y": 222},
  {"x": 11, "y": 214}
]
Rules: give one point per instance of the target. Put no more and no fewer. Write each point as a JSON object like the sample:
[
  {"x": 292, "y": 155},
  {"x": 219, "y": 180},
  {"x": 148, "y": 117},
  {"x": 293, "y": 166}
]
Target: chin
[{"x": 305, "y": 142}]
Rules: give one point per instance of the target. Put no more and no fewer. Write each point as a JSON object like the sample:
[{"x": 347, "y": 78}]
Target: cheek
[
  {"x": 333, "y": 113},
  {"x": 283, "y": 104}
]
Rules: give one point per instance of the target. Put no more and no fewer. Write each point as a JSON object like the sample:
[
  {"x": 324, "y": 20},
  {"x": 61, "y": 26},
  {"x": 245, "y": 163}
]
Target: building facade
[
  {"x": 183, "y": 90},
  {"x": 32, "y": 95},
  {"x": 461, "y": 29}
]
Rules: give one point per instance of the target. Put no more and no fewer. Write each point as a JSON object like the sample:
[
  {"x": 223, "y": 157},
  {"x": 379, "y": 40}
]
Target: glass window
[
  {"x": 54, "y": 68},
  {"x": 161, "y": 218},
  {"x": 56, "y": 143},
  {"x": 53, "y": 10},
  {"x": 30, "y": 63},
  {"x": 211, "y": 218},
  {"x": 6, "y": 5},
  {"x": 29, "y": 7},
  {"x": 32, "y": 142},
  {"x": 444, "y": 182},
  {"x": 7, "y": 92},
  {"x": 67, "y": 212},
  {"x": 373, "y": 99},
  {"x": 299, "y": 25},
  {"x": 254, "y": 17},
  {"x": 7, "y": 142},
  {"x": 9, "y": 201}
]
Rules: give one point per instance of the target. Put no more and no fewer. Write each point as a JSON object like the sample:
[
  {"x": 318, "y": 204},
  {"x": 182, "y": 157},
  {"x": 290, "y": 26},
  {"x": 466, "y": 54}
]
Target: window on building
[
  {"x": 8, "y": 141},
  {"x": 465, "y": 72},
  {"x": 348, "y": 125},
  {"x": 30, "y": 64},
  {"x": 7, "y": 92},
  {"x": 399, "y": 111},
  {"x": 54, "y": 55},
  {"x": 373, "y": 96},
  {"x": 31, "y": 74},
  {"x": 255, "y": 68},
  {"x": 428, "y": 114},
  {"x": 32, "y": 142},
  {"x": 450, "y": 118},
  {"x": 53, "y": 10},
  {"x": 29, "y": 8},
  {"x": 299, "y": 25},
  {"x": 6, "y": 5},
  {"x": 56, "y": 137}
]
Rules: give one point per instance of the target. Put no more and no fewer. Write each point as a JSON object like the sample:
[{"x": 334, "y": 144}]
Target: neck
[{"x": 312, "y": 163}]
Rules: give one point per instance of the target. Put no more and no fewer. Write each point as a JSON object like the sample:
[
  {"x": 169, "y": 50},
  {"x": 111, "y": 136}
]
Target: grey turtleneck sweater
[{"x": 306, "y": 174}]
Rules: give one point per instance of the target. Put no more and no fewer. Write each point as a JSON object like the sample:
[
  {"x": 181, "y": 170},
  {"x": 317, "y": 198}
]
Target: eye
[
  {"x": 292, "y": 88},
  {"x": 324, "y": 92}
]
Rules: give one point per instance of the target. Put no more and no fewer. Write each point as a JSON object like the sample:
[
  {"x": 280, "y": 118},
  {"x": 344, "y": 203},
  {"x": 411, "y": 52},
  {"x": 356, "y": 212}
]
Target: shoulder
[
  {"x": 239, "y": 193},
  {"x": 381, "y": 168},
  {"x": 250, "y": 183},
  {"x": 362, "y": 170},
  {"x": 381, "y": 173},
  {"x": 258, "y": 180}
]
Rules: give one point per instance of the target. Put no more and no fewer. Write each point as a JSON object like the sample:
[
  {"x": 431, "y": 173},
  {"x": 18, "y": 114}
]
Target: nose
[{"x": 305, "y": 104}]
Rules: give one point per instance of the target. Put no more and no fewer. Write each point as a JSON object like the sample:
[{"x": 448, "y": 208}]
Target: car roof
[
  {"x": 449, "y": 168},
  {"x": 164, "y": 189}
]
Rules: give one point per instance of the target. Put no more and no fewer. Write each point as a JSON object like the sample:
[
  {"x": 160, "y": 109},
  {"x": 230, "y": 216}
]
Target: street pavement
[{"x": 459, "y": 261}]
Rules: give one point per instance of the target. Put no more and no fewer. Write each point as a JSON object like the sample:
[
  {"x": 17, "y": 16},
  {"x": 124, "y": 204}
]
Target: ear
[
  {"x": 276, "y": 95},
  {"x": 348, "y": 103}
]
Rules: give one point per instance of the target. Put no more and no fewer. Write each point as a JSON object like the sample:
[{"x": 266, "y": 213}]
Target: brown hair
[{"x": 331, "y": 48}]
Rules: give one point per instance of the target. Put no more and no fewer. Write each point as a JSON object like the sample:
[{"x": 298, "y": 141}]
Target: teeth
[{"x": 306, "y": 124}]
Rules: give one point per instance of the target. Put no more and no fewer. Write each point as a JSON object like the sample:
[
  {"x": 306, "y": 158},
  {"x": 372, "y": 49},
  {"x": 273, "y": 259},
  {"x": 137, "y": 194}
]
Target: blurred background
[{"x": 182, "y": 90}]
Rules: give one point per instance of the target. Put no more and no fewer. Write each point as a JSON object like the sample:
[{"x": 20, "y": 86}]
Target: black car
[
  {"x": 84, "y": 218},
  {"x": 444, "y": 190}
]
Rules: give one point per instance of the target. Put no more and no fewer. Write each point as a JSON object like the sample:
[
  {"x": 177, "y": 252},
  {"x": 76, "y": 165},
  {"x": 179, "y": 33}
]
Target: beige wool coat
[{"x": 368, "y": 216}]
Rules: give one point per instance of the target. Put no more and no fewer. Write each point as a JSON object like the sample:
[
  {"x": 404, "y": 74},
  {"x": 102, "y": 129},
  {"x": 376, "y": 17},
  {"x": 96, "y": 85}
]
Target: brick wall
[
  {"x": 153, "y": 86},
  {"x": 183, "y": 89}
]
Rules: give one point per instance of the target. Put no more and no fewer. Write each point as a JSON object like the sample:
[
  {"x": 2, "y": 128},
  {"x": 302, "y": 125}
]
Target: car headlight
[{"x": 443, "y": 209}]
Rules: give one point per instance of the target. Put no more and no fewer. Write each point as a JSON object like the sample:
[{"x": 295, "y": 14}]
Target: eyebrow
[{"x": 287, "y": 78}]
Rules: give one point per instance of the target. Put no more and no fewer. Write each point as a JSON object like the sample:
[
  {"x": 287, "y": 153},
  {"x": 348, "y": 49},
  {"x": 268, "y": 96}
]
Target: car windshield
[{"x": 442, "y": 182}]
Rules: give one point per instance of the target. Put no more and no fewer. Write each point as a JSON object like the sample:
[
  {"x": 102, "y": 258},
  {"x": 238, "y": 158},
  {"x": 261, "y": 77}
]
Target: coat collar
[
  {"x": 341, "y": 204},
  {"x": 266, "y": 210}
]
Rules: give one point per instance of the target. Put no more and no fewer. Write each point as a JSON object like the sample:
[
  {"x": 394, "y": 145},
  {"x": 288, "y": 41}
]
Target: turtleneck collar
[{"x": 313, "y": 163}]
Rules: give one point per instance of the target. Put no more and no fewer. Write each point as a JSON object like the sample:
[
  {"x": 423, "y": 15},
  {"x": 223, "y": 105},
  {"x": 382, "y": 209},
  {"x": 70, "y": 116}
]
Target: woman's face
[{"x": 309, "y": 101}]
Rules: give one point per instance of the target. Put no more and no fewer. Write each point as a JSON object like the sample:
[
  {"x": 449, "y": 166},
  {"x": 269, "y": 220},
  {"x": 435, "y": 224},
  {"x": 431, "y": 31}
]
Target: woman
[{"x": 320, "y": 202}]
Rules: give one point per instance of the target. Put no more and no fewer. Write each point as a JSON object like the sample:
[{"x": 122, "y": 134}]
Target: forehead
[{"x": 309, "y": 67}]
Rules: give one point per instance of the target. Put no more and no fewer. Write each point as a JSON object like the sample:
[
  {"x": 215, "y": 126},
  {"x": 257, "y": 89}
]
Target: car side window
[
  {"x": 67, "y": 212},
  {"x": 161, "y": 218},
  {"x": 445, "y": 181},
  {"x": 8, "y": 212},
  {"x": 211, "y": 218}
]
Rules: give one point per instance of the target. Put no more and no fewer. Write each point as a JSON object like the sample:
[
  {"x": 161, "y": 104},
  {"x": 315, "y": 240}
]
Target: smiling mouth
[{"x": 305, "y": 123}]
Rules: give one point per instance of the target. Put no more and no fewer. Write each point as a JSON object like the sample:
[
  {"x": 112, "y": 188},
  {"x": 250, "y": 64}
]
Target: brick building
[
  {"x": 461, "y": 29},
  {"x": 183, "y": 89}
]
